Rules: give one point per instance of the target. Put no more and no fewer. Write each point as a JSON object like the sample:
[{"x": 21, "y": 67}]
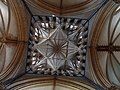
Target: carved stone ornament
[{"x": 57, "y": 46}]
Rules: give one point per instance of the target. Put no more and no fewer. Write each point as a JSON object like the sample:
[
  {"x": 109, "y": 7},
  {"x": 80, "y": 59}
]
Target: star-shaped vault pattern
[
  {"x": 57, "y": 46},
  {"x": 57, "y": 49}
]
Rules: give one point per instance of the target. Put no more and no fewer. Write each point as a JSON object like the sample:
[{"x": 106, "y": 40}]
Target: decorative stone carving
[{"x": 61, "y": 43}]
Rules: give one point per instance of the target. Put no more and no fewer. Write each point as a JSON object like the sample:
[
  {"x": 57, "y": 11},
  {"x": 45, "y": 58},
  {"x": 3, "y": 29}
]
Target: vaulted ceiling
[
  {"x": 64, "y": 7},
  {"x": 59, "y": 41}
]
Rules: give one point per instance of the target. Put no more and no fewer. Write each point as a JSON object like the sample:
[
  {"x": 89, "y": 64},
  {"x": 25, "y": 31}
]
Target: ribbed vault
[
  {"x": 61, "y": 7},
  {"x": 107, "y": 49},
  {"x": 11, "y": 40},
  {"x": 57, "y": 45},
  {"x": 52, "y": 83},
  {"x": 59, "y": 32}
]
